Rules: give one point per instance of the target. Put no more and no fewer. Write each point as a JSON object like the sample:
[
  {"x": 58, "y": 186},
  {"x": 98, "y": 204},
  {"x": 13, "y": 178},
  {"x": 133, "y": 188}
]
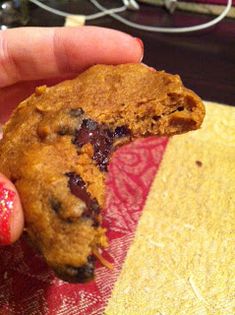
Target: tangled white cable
[
  {"x": 113, "y": 13},
  {"x": 87, "y": 17}
]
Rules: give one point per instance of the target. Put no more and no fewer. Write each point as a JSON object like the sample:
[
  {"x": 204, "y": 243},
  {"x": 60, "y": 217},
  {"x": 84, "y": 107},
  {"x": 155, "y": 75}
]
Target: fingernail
[
  {"x": 140, "y": 42},
  {"x": 6, "y": 207}
]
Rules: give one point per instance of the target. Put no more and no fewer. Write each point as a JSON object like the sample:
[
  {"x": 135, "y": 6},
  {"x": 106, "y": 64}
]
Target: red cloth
[{"x": 28, "y": 287}]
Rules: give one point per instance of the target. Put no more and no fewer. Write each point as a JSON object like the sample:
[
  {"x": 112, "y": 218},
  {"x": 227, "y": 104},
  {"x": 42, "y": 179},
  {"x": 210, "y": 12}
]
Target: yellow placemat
[{"x": 182, "y": 260}]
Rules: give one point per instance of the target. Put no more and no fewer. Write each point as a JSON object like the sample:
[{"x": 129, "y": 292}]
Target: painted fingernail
[
  {"x": 140, "y": 42},
  {"x": 6, "y": 207}
]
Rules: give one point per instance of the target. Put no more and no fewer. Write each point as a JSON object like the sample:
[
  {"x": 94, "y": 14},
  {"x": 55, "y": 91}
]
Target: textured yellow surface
[{"x": 182, "y": 260}]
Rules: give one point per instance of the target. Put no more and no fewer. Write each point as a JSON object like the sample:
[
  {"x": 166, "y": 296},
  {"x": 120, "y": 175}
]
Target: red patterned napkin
[{"x": 28, "y": 287}]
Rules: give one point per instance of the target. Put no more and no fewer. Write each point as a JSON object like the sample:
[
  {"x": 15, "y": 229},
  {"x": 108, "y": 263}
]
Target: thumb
[{"x": 11, "y": 214}]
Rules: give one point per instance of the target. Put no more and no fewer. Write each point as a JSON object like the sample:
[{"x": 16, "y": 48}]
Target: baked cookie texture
[{"x": 58, "y": 143}]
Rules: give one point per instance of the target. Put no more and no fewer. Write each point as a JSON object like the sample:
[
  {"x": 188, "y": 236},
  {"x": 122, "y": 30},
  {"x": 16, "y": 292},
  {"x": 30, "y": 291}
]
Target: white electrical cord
[
  {"x": 112, "y": 13},
  {"x": 87, "y": 17},
  {"x": 167, "y": 29}
]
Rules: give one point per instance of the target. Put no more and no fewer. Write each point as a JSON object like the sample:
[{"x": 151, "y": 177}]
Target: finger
[
  {"x": 40, "y": 53},
  {"x": 11, "y": 214}
]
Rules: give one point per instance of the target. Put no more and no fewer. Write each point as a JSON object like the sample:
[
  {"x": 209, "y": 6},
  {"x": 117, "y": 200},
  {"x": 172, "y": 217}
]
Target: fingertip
[
  {"x": 129, "y": 49},
  {"x": 11, "y": 213},
  {"x": 140, "y": 49},
  {"x": 66, "y": 50},
  {"x": 124, "y": 47},
  {"x": 85, "y": 46}
]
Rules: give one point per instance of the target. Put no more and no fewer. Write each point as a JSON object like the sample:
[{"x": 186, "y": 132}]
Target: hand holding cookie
[
  {"x": 30, "y": 57},
  {"x": 58, "y": 143}
]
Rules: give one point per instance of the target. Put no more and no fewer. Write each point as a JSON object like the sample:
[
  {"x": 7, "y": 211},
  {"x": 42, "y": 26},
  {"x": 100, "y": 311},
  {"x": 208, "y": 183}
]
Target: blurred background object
[
  {"x": 16, "y": 12},
  {"x": 211, "y": 7},
  {"x": 13, "y": 13}
]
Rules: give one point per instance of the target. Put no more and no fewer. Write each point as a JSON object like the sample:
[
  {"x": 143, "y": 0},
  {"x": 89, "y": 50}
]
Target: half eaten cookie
[{"x": 58, "y": 143}]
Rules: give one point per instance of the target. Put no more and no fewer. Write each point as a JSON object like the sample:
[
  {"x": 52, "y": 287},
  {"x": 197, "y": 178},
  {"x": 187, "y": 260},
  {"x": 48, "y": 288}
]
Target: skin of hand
[{"x": 65, "y": 53}]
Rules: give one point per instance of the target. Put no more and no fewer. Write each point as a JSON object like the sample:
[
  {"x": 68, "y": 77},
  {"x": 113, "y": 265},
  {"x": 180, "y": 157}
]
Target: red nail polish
[
  {"x": 140, "y": 42},
  {"x": 6, "y": 207}
]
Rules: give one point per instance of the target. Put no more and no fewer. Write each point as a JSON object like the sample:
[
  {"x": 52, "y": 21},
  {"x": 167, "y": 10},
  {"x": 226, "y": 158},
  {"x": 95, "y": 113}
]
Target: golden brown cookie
[{"x": 58, "y": 143}]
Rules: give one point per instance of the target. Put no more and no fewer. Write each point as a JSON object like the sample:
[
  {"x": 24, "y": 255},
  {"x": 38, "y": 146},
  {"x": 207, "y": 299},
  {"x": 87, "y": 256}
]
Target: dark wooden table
[{"x": 205, "y": 60}]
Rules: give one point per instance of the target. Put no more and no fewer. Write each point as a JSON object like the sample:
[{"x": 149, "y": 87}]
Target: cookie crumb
[
  {"x": 198, "y": 163},
  {"x": 40, "y": 90}
]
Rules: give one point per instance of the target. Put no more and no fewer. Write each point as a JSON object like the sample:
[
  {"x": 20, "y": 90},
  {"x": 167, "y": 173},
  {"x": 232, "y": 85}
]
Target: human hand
[{"x": 35, "y": 56}]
